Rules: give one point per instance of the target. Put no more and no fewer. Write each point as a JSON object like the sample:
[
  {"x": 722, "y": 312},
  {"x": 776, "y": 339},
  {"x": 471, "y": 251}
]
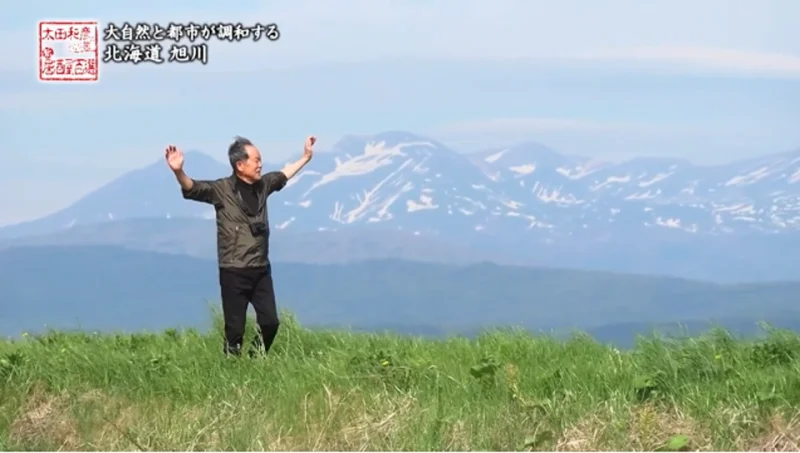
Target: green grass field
[{"x": 346, "y": 391}]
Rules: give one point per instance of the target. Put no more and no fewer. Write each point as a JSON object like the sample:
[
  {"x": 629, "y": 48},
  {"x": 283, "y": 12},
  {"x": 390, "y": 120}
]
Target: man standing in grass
[{"x": 240, "y": 201}]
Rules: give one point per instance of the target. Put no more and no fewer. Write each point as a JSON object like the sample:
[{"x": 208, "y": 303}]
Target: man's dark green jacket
[{"x": 237, "y": 246}]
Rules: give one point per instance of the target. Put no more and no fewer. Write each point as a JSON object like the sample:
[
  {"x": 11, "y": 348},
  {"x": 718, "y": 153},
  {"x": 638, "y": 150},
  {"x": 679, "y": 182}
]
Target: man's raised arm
[
  {"x": 202, "y": 191},
  {"x": 276, "y": 180},
  {"x": 185, "y": 182},
  {"x": 291, "y": 169}
]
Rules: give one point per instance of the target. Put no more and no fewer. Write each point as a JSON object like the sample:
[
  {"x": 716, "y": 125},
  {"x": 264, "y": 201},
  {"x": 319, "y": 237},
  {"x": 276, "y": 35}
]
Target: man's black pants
[{"x": 239, "y": 287}]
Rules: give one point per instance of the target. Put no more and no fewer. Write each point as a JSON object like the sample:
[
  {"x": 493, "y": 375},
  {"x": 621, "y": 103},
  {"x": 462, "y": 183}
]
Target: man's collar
[{"x": 239, "y": 181}]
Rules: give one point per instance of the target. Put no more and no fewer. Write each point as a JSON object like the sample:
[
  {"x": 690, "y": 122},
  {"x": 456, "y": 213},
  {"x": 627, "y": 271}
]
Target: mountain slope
[
  {"x": 149, "y": 192},
  {"x": 197, "y": 237}
]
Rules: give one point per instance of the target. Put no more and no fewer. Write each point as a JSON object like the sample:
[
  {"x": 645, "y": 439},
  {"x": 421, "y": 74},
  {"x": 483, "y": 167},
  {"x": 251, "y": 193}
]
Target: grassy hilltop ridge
[{"x": 336, "y": 390}]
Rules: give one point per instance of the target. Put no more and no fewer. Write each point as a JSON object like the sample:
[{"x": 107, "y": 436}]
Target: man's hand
[
  {"x": 291, "y": 169},
  {"x": 308, "y": 151},
  {"x": 174, "y": 158}
]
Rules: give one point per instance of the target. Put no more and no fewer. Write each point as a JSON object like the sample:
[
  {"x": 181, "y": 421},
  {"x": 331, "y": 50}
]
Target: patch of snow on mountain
[
  {"x": 375, "y": 155},
  {"x": 568, "y": 172},
  {"x": 736, "y": 208},
  {"x": 285, "y": 224},
  {"x": 303, "y": 174},
  {"x": 523, "y": 169},
  {"x": 494, "y": 157},
  {"x": 795, "y": 176},
  {"x": 610, "y": 180},
  {"x": 749, "y": 178},
  {"x": 372, "y": 200},
  {"x": 643, "y": 195},
  {"x": 554, "y": 196},
  {"x": 425, "y": 202},
  {"x": 475, "y": 203},
  {"x": 655, "y": 179},
  {"x": 669, "y": 223}
]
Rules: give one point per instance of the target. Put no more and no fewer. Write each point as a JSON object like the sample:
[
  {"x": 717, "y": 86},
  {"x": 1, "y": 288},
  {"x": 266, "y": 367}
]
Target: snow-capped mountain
[
  {"x": 417, "y": 183},
  {"x": 527, "y": 192},
  {"x": 397, "y": 179},
  {"x": 574, "y": 193}
]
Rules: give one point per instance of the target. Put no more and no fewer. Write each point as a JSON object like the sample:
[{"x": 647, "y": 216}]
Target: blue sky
[{"x": 712, "y": 81}]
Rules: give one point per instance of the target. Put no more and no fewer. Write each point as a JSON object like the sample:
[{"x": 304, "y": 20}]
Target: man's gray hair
[{"x": 236, "y": 152}]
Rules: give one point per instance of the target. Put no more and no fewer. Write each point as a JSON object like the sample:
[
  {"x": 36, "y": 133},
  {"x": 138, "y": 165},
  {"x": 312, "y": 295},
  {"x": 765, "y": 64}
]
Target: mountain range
[
  {"x": 398, "y": 194},
  {"x": 110, "y": 288}
]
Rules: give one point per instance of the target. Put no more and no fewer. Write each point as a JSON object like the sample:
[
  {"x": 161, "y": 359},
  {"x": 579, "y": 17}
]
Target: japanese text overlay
[{"x": 175, "y": 42}]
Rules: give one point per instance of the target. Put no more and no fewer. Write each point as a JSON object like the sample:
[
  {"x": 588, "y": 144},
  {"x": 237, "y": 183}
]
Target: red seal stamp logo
[{"x": 68, "y": 51}]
